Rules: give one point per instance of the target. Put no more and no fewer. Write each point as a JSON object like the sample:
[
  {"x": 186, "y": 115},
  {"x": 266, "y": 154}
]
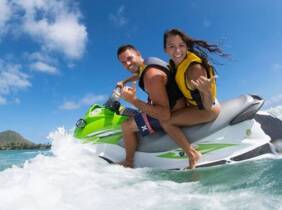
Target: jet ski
[{"x": 240, "y": 132}]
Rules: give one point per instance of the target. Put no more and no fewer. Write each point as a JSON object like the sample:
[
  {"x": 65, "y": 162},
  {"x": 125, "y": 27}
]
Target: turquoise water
[
  {"x": 8, "y": 158},
  {"x": 74, "y": 178},
  {"x": 261, "y": 176}
]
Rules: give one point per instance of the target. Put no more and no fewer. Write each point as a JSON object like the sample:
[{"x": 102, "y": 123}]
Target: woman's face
[{"x": 176, "y": 48}]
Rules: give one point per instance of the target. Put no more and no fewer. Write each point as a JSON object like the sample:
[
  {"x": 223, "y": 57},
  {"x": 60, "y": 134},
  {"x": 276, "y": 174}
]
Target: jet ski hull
[{"x": 239, "y": 133}]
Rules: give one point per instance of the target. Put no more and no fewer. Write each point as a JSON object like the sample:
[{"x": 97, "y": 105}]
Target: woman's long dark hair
[{"x": 200, "y": 47}]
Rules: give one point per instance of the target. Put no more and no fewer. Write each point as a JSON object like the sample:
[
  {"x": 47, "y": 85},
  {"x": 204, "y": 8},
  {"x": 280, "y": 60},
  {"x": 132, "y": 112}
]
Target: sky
[{"x": 57, "y": 57}]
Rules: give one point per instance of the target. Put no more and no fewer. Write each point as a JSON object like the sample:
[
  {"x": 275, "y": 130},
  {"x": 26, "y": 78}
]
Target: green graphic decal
[
  {"x": 107, "y": 137},
  {"x": 203, "y": 148}
]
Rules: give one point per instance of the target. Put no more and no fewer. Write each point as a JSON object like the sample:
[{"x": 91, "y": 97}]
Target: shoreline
[{"x": 25, "y": 147}]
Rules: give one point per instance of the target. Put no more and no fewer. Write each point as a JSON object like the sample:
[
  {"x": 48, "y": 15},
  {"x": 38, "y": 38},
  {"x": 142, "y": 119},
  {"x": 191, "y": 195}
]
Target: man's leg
[{"x": 129, "y": 129}]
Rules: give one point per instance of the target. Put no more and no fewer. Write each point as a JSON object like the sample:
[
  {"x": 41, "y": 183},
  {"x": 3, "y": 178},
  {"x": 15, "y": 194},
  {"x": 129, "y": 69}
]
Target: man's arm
[
  {"x": 155, "y": 85},
  {"x": 132, "y": 78}
]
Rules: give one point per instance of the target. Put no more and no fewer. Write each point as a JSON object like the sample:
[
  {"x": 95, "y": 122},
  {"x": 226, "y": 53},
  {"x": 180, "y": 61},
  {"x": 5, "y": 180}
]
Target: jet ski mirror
[
  {"x": 113, "y": 102},
  {"x": 113, "y": 105}
]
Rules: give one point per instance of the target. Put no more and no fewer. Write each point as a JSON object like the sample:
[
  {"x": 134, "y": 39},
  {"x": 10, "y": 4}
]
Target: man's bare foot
[{"x": 126, "y": 163}]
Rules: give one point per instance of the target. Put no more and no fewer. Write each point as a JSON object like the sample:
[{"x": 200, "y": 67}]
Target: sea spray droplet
[{"x": 63, "y": 143}]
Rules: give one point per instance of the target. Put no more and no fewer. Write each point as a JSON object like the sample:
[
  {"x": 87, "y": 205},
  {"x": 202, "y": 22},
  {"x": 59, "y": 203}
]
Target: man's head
[{"x": 130, "y": 57}]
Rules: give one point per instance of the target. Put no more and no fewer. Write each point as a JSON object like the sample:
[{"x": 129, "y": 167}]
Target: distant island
[{"x": 11, "y": 140}]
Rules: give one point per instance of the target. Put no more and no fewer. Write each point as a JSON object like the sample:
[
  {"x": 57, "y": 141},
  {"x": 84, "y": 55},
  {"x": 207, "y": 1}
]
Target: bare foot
[
  {"x": 194, "y": 157},
  {"x": 126, "y": 163},
  {"x": 197, "y": 154}
]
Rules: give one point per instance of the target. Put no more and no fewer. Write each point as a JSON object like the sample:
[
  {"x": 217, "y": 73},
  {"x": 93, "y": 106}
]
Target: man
[{"x": 158, "y": 82}]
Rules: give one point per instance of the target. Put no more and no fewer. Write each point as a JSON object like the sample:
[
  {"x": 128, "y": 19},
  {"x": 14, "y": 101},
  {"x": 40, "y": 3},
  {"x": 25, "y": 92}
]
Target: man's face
[{"x": 131, "y": 60}]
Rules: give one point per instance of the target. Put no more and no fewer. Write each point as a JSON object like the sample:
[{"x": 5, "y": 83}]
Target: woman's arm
[{"x": 197, "y": 79}]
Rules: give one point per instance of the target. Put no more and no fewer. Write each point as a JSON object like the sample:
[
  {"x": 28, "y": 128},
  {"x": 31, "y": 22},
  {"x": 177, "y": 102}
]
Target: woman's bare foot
[
  {"x": 194, "y": 157},
  {"x": 126, "y": 163}
]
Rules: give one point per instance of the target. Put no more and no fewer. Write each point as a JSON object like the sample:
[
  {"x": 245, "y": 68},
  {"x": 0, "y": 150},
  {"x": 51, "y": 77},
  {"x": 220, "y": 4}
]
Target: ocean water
[
  {"x": 9, "y": 158},
  {"x": 72, "y": 177}
]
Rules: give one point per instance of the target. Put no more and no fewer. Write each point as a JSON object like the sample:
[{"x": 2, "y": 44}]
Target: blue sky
[{"x": 58, "y": 57}]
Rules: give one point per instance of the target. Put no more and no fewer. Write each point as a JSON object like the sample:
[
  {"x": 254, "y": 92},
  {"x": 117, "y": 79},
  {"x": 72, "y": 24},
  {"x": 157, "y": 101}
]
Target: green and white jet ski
[{"x": 240, "y": 132}]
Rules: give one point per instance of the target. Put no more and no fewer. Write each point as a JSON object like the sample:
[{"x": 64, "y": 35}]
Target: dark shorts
[{"x": 146, "y": 124}]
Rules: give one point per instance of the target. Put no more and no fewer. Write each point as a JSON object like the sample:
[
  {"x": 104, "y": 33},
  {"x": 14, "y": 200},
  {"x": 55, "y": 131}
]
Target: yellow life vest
[
  {"x": 192, "y": 96},
  {"x": 141, "y": 69}
]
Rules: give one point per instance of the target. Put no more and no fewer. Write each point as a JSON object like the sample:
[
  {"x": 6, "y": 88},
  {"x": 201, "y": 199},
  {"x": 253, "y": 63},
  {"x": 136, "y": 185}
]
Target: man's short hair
[{"x": 125, "y": 47}]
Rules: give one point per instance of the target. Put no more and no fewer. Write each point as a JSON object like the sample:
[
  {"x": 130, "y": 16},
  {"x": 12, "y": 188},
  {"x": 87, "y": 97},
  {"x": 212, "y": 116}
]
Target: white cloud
[
  {"x": 44, "y": 68},
  {"x": 274, "y": 101},
  {"x": 69, "y": 105},
  {"x": 119, "y": 18},
  {"x": 5, "y": 15},
  {"x": 90, "y": 99},
  {"x": 12, "y": 79},
  {"x": 42, "y": 62},
  {"x": 55, "y": 25},
  {"x": 65, "y": 35},
  {"x": 17, "y": 101},
  {"x": 40, "y": 56},
  {"x": 2, "y": 100},
  {"x": 86, "y": 100}
]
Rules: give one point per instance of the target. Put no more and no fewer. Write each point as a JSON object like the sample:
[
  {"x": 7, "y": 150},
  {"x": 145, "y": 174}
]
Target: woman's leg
[
  {"x": 192, "y": 115},
  {"x": 178, "y": 136},
  {"x": 184, "y": 117}
]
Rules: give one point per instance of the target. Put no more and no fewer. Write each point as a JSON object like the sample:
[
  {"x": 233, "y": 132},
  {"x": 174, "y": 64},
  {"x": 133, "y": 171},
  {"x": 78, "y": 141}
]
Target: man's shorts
[{"x": 146, "y": 124}]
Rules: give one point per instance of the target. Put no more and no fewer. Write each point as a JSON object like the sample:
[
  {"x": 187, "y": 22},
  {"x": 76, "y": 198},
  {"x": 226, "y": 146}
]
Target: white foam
[
  {"x": 75, "y": 178},
  {"x": 276, "y": 111}
]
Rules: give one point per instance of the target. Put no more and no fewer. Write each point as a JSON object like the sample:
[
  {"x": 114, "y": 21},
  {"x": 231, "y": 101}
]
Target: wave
[
  {"x": 73, "y": 177},
  {"x": 276, "y": 111}
]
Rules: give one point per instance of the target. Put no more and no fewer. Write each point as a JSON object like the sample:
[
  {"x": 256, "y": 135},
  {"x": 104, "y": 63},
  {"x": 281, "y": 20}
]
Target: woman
[{"x": 195, "y": 78}]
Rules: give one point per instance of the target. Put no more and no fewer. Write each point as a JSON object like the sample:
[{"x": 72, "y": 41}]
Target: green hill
[
  {"x": 8, "y": 136},
  {"x": 13, "y": 140}
]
